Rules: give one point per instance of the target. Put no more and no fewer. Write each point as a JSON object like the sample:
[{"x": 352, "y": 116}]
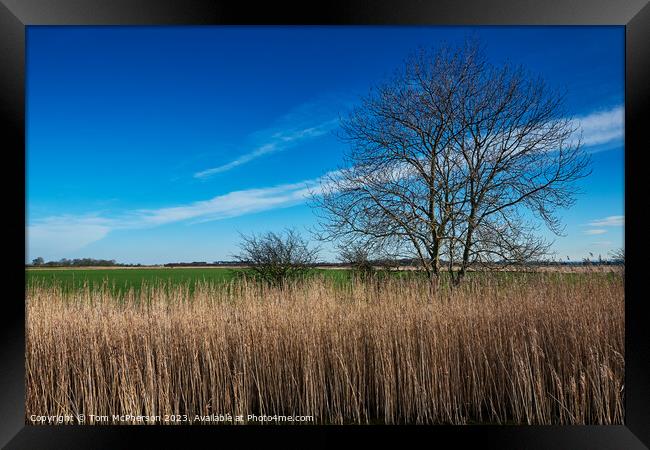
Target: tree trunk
[
  {"x": 459, "y": 277},
  {"x": 434, "y": 282},
  {"x": 434, "y": 277},
  {"x": 463, "y": 266},
  {"x": 466, "y": 249},
  {"x": 434, "y": 285}
]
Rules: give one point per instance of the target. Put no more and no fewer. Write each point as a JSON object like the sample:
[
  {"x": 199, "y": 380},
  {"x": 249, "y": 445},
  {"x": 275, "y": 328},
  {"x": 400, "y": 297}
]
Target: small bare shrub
[{"x": 275, "y": 257}]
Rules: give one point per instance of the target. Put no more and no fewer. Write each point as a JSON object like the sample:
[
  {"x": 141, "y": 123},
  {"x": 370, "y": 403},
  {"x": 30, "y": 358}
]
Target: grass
[
  {"x": 534, "y": 349},
  {"x": 124, "y": 279}
]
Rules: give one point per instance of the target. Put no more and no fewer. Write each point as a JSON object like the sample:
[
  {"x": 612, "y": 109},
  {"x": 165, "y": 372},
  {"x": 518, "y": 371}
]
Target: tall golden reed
[{"x": 543, "y": 349}]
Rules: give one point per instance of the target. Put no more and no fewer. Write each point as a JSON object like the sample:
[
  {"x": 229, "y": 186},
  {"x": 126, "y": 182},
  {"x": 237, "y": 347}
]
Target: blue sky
[{"x": 158, "y": 144}]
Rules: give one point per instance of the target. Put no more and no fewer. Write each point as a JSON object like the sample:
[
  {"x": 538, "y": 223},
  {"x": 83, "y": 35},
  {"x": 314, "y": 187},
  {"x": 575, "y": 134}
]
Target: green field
[
  {"x": 125, "y": 279},
  {"x": 122, "y": 280}
]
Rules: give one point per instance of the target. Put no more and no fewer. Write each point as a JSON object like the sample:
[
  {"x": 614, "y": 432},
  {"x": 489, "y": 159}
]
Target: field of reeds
[{"x": 541, "y": 349}]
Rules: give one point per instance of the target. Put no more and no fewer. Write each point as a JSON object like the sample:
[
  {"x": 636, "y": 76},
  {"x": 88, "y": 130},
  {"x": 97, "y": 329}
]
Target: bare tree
[
  {"x": 276, "y": 257},
  {"x": 454, "y": 159}
]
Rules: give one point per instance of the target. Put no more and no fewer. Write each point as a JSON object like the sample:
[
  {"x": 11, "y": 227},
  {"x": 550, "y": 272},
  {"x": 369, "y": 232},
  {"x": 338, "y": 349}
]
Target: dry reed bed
[{"x": 541, "y": 351}]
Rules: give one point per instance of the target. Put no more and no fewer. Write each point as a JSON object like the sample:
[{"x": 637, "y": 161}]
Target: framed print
[{"x": 342, "y": 224}]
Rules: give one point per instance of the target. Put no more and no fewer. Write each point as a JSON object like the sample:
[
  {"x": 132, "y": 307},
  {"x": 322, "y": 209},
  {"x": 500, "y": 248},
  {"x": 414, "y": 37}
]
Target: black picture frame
[{"x": 15, "y": 15}]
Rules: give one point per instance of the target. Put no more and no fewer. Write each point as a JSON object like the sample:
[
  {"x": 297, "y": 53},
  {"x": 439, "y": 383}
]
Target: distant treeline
[
  {"x": 80, "y": 262},
  {"x": 203, "y": 263}
]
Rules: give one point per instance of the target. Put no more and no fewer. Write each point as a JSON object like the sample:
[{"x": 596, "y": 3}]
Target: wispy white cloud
[
  {"x": 232, "y": 204},
  {"x": 262, "y": 150},
  {"x": 597, "y": 131},
  {"x": 599, "y": 226},
  {"x": 67, "y": 233},
  {"x": 610, "y": 221},
  {"x": 602, "y": 127},
  {"x": 278, "y": 142},
  {"x": 305, "y": 122},
  {"x": 595, "y": 231}
]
